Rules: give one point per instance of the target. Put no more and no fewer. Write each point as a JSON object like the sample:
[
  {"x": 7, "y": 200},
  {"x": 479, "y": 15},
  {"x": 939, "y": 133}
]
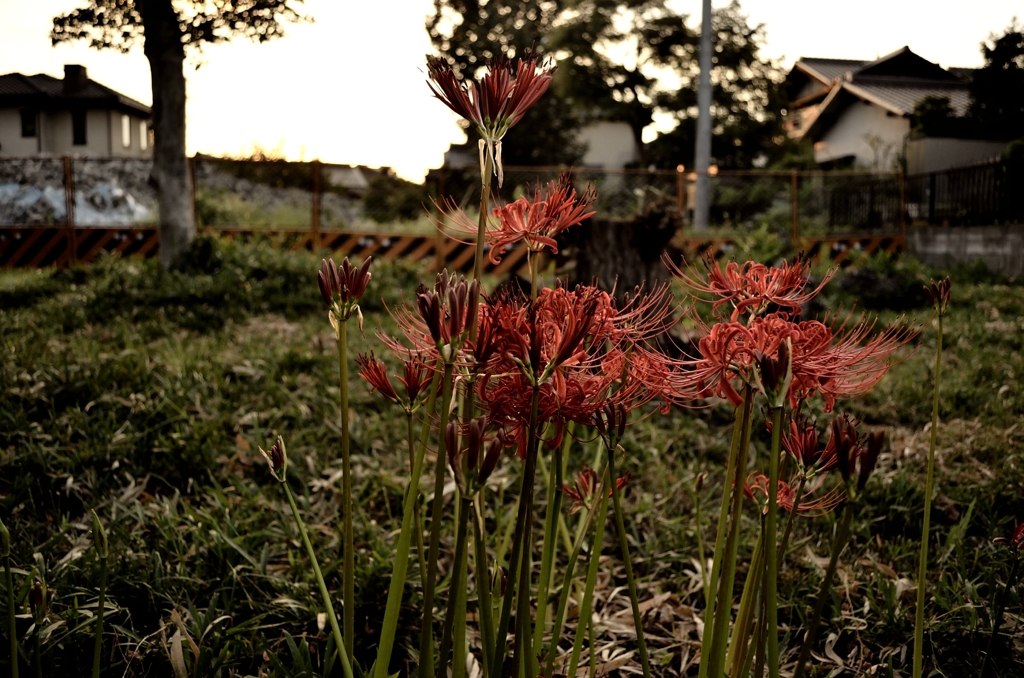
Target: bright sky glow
[{"x": 349, "y": 88}]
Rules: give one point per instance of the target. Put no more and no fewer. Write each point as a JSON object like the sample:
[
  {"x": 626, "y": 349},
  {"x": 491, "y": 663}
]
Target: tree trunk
[
  {"x": 625, "y": 254},
  {"x": 166, "y": 54}
]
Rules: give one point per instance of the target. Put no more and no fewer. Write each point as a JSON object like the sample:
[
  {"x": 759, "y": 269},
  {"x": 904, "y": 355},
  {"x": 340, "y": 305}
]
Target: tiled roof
[
  {"x": 831, "y": 69},
  {"x": 901, "y": 98},
  {"x": 45, "y": 90}
]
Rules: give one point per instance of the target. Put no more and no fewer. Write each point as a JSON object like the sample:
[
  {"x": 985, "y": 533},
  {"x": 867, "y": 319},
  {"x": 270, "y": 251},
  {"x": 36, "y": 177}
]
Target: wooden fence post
[
  {"x": 794, "y": 206},
  {"x": 317, "y": 193},
  {"x": 69, "y": 208}
]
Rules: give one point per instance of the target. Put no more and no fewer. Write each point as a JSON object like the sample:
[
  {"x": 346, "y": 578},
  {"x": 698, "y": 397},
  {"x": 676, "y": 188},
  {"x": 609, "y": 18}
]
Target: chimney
[{"x": 75, "y": 78}]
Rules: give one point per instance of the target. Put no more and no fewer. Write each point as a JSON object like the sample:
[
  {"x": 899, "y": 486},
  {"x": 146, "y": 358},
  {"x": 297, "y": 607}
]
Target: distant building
[
  {"x": 41, "y": 115},
  {"x": 858, "y": 113}
]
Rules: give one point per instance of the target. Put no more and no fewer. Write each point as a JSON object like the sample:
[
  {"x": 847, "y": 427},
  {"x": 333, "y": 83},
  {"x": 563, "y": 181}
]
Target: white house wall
[
  {"x": 609, "y": 144},
  {"x": 850, "y": 134},
  {"x": 934, "y": 154},
  {"x": 11, "y": 141}
]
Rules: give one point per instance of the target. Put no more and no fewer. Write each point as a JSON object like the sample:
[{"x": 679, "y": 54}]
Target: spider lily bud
[
  {"x": 277, "y": 458},
  {"x": 99, "y": 536},
  {"x": 938, "y": 294},
  {"x": 38, "y": 600},
  {"x": 869, "y": 457},
  {"x": 490, "y": 460},
  {"x": 611, "y": 420},
  {"x": 343, "y": 287},
  {"x": 776, "y": 373},
  {"x": 475, "y": 440},
  {"x": 429, "y": 306},
  {"x": 844, "y": 438}
]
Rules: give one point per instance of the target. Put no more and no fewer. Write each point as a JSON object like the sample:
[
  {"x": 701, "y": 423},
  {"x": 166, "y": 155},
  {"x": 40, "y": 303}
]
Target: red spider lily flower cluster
[
  {"x": 554, "y": 208},
  {"x": 808, "y": 504},
  {"x": 802, "y": 444},
  {"x": 833, "y": 359},
  {"x": 439, "y": 326},
  {"x": 587, "y": 482},
  {"x": 342, "y": 287},
  {"x": 497, "y": 101},
  {"x": 415, "y": 379},
  {"x": 751, "y": 287}
]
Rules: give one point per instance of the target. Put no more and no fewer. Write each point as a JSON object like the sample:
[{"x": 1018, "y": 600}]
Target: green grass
[{"x": 144, "y": 394}]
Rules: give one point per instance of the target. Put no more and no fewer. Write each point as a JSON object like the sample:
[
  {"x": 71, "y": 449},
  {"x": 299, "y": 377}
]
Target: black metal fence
[
  {"x": 987, "y": 194},
  {"x": 315, "y": 196}
]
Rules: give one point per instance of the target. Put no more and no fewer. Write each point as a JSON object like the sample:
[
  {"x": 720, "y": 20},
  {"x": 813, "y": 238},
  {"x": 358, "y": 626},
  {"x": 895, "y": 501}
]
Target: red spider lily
[
  {"x": 375, "y": 372},
  {"x": 474, "y": 438},
  {"x": 343, "y": 286},
  {"x": 834, "y": 364},
  {"x": 495, "y": 103},
  {"x": 1016, "y": 540},
  {"x": 553, "y": 209},
  {"x": 802, "y": 443},
  {"x": 750, "y": 287},
  {"x": 756, "y": 489},
  {"x": 586, "y": 485},
  {"x": 438, "y": 327}
]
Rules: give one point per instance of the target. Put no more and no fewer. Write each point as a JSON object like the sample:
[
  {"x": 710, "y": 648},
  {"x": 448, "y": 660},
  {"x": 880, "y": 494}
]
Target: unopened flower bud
[
  {"x": 869, "y": 457},
  {"x": 451, "y": 444},
  {"x": 490, "y": 460},
  {"x": 37, "y": 600},
  {"x": 844, "y": 439},
  {"x": 500, "y": 580},
  {"x": 938, "y": 294},
  {"x": 776, "y": 372},
  {"x": 277, "y": 458}
]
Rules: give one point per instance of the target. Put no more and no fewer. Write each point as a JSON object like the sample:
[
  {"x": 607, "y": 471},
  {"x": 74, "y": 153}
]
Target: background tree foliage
[{"x": 623, "y": 60}]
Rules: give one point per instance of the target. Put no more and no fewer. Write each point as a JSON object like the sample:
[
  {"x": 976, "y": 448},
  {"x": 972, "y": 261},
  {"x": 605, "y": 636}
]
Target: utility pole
[{"x": 702, "y": 154}]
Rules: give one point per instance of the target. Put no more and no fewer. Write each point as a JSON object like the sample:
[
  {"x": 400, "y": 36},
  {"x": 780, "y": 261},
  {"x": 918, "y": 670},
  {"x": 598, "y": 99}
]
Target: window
[
  {"x": 126, "y": 131},
  {"x": 143, "y": 135},
  {"x": 78, "y": 127},
  {"x": 28, "y": 122}
]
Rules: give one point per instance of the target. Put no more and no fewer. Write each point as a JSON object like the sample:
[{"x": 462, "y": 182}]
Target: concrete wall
[
  {"x": 851, "y": 134},
  {"x": 934, "y": 154},
  {"x": 1000, "y": 247},
  {"x": 54, "y": 135},
  {"x": 610, "y": 145}
]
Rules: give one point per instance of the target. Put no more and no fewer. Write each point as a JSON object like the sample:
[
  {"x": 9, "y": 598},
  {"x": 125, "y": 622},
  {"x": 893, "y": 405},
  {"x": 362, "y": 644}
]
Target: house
[
  {"x": 41, "y": 115},
  {"x": 858, "y": 113}
]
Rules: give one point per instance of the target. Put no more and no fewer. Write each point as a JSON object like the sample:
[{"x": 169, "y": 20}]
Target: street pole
[{"x": 702, "y": 159}]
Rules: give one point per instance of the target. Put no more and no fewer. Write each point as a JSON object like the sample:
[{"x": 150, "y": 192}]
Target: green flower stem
[
  {"x": 519, "y": 552},
  {"x": 620, "y": 526},
  {"x": 723, "y": 602},
  {"x": 12, "y": 629},
  {"x": 1000, "y": 606},
  {"x": 481, "y": 229},
  {"x": 784, "y": 544},
  {"x": 842, "y": 534},
  {"x": 461, "y": 531},
  {"x": 325, "y": 594},
  {"x": 700, "y": 547},
  {"x": 567, "y": 579},
  {"x": 523, "y": 652},
  {"x": 483, "y": 582},
  {"x": 417, "y": 513},
  {"x": 348, "y": 545},
  {"x": 922, "y": 568},
  {"x": 550, "y": 547},
  {"x": 771, "y": 547},
  {"x": 716, "y": 564},
  {"x": 740, "y": 642},
  {"x": 98, "y": 634},
  {"x": 398, "y": 574},
  {"x": 427, "y": 630},
  {"x": 594, "y": 559}
]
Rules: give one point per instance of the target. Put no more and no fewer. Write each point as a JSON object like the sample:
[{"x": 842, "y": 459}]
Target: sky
[{"x": 349, "y": 88}]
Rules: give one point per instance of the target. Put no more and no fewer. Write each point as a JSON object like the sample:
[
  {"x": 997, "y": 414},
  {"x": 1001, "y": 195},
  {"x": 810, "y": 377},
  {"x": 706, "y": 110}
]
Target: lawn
[{"x": 144, "y": 395}]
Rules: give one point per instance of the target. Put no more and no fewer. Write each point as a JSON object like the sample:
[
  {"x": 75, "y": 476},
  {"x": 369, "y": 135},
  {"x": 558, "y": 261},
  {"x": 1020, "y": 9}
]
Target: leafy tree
[
  {"x": 166, "y": 28},
  {"x": 624, "y": 60},
  {"x": 997, "y": 89}
]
